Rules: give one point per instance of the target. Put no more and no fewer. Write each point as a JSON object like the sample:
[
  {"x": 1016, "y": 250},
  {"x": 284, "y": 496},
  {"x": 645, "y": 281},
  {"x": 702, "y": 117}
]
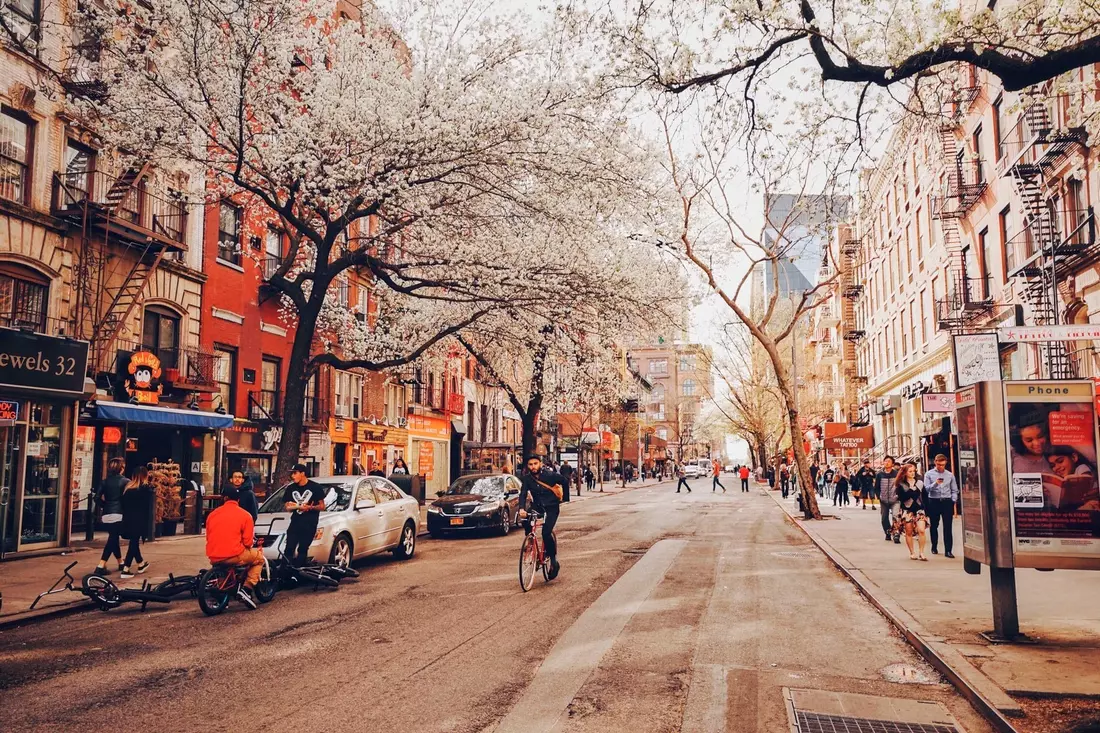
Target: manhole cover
[
  {"x": 908, "y": 674},
  {"x": 820, "y": 723}
]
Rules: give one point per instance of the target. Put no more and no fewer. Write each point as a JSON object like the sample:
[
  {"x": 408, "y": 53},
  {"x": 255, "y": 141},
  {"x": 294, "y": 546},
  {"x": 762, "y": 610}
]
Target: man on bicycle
[
  {"x": 545, "y": 489},
  {"x": 229, "y": 540}
]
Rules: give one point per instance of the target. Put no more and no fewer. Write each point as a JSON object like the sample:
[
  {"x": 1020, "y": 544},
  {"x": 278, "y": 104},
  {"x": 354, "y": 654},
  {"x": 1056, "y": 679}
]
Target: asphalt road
[{"x": 673, "y": 612}]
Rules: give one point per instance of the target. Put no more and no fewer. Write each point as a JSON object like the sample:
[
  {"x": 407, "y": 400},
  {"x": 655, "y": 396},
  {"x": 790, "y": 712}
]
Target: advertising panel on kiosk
[
  {"x": 1052, "y": 457},
  {"x": 970, "y": 475}
]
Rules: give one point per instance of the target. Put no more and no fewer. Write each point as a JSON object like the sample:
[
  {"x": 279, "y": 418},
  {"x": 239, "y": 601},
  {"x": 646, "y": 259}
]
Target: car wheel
[
  {"x": 341, "y": 554},
  {"x": 407, "y": 544},
  {"x": 505, "y": 522}
]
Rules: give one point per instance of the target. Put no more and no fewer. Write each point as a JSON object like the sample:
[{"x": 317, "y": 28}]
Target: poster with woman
[{"x": 1052, "y": 459}]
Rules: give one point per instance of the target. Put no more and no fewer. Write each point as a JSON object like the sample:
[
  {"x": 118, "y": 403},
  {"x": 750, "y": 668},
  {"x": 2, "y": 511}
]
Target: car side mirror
[{"x": 364, "y": 504}]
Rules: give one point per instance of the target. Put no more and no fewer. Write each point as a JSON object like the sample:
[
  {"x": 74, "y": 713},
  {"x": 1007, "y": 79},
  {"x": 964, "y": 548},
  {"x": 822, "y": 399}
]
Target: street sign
[
  {"x": 1037, "y": 334},
  {"x": 977, "y": 359}
]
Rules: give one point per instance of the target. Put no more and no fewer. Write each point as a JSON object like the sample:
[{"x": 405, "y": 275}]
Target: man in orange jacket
[{"x": 229, "y": 540}]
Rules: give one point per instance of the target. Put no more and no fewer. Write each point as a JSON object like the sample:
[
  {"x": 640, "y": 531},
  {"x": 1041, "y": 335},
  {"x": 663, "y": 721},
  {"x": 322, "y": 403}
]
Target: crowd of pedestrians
[{"x": 920, "y": 508}]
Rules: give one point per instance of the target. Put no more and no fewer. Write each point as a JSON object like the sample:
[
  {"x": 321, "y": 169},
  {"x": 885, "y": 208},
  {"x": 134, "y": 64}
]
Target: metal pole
[{"x": 1006, "y": 619}]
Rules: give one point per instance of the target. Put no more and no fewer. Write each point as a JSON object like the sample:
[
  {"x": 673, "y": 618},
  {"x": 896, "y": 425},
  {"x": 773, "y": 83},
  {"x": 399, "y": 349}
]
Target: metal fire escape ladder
[
  {"x": 949, "y": 212},
  {"x": 1041, "y": 273}
]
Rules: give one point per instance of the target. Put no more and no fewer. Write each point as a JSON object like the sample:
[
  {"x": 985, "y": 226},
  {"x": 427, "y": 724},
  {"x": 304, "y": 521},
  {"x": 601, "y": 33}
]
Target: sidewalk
[
  {"x": 948, "y": 609},
  {"x": 611, "y": 488}
]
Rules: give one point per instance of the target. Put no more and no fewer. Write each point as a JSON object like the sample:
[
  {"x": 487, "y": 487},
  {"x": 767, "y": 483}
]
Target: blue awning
[{"x": 123, "y": 412}]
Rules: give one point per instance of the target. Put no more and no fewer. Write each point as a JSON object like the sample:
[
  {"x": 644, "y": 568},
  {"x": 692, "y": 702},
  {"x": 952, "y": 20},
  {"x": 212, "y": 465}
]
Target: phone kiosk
[{"x": 1028, "y": 483}]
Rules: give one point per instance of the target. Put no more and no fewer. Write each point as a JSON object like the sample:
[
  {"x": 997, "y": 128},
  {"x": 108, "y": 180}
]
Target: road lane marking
[{"x": 578, "y": 652}]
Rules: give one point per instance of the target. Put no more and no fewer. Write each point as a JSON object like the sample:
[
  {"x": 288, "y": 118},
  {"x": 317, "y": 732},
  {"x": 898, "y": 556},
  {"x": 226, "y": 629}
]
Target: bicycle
[
  {"x": 223, "y": 581},
  {"x": 532, "y": 555}
]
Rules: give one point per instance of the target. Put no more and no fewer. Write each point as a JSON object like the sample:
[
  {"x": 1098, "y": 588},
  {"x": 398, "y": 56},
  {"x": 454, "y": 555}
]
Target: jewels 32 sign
[{"x": 33, "y": 361}]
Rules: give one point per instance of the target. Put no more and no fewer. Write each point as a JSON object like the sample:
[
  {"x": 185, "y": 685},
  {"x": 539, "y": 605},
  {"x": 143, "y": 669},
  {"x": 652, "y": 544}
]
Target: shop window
[
  {"x": 229, "y": 233},
  {"x": 225, "y": 371},
  {"x": 16, "y": 144},
  {"x": 23, "y": 297},
  {"x": 161, "y": 335}
]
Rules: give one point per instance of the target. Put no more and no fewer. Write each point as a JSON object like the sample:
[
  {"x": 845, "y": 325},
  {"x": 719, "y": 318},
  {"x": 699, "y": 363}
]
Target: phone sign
[{"x": 9, "y": 412}]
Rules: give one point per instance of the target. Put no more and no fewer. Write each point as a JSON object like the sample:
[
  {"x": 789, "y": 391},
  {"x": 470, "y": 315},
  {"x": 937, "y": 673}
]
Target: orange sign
[
  {"x": 424, "y": 426},
  {"x": 143, "y": 384},
  {"x": 112, "y": 435},
  {"x": 426, "y": 459},
  {"x": 9, "y": 411}
]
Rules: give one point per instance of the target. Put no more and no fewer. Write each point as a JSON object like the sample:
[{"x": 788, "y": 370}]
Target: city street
[{"x": 693, "y": 612}]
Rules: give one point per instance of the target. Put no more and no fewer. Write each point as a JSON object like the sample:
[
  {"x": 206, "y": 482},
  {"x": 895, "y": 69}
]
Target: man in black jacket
[
  {"x": 247, "y": 501},
  {"x": 865, "y": 484},
  {"x": 566, "y": 472},
  {"x": 544, "y": 488}
]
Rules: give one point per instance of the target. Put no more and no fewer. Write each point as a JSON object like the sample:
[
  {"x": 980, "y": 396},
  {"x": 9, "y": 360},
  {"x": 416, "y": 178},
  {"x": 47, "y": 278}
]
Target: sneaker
[
  {"x": 127, "y": 573},
  {"x": 897, "y": 539},
  {"x": 555, "y": 568},
  {"x": 143, "y": 567},
  {"x": 101, "y": 572},
  {"x": 246, "y": 597}
]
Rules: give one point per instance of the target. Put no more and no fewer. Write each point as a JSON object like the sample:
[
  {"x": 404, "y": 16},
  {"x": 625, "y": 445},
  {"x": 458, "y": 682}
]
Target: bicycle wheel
[
  {"x": 213, "y": 592},
  {"x": 528, "y": 562},
  {"x": 103, "y": 592}
]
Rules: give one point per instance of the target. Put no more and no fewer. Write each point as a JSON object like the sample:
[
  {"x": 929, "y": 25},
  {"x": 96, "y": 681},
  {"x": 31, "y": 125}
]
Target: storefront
[
  {"x": 430, "y": 450},
  {"x": 251, "y": 447},
  {"x": 380, "y": 446},
  {"x": 342, "y": 435},
  {"x": 178, "y": 444},
  {"x": 41, "y": 381}
]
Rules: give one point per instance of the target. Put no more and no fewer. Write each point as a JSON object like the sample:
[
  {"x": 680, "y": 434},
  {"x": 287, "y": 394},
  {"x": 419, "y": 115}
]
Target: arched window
[
  {"x": 23, "y": 296},
  {"x": 1082, "y": 354},
  {"x": 688, "y": 388},
  {"x": 160, "y": 334}
]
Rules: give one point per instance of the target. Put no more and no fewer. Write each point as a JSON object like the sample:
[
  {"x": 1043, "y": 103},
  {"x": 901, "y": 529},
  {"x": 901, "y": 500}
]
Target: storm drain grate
[{"x": 818, "y": 723}]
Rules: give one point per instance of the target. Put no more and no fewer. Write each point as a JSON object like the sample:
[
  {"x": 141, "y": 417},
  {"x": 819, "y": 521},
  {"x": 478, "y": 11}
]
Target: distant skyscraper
[{"x": 797, "y": 229}]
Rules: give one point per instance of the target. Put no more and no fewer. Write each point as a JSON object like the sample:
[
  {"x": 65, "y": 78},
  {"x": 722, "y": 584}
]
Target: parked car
[
  {"x": 728, "y": 468},
  {"x": 692, "y": 470},
  {"x": 363, "y": 515},
  {"x": 476, "y": 501}
]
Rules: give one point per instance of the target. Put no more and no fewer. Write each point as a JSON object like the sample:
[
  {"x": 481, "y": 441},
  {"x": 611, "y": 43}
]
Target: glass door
[
  {"x": 9, "y": 495},
  {"x": 42, "y": 479}
]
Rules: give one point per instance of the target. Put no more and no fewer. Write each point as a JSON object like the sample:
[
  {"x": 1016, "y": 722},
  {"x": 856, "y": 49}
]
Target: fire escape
[
  {"x": 123, "y": 211},
  {"x": 967, "y": 298},
  {"x": 851, "y": 289},
  {"x": 1054, "y": 240}
]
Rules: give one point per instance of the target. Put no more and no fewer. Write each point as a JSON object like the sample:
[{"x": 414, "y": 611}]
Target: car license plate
[{"x": 457, "y": 520}]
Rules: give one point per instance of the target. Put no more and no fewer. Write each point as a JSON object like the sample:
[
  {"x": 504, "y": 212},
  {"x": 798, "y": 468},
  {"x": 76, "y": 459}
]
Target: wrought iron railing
[
  {"x": 137, "y": 203},
  {"x": 263, "y": 404}
]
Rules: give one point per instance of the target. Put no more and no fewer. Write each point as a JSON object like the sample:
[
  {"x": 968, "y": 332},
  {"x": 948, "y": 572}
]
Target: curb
[
  {"x": 44, "y": 614},
  {"x": 984, "y": 694}
]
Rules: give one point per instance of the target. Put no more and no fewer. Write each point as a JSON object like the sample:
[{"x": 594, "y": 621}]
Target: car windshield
[
  {"x": 479, "y": 486},
  {"x": 337, "y": 497}
]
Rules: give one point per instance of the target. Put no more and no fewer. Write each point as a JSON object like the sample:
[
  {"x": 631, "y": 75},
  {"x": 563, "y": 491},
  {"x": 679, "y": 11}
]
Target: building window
[
  {"x": 349, "y": 395},
  {"x": 22, "y": 19},
  {"x": 658, "y": 366},
  {"x": 161, "y": 336},
  {"x": 225, "y": 372},
  {"x": 987, "y": 262},
  {"x": 996, "y": 108},
  {"x": 266, "y": 406},
  {"x": 312, "y": 411},
  {"x": 79, "y": 169},
  {"x": 688, "y": 388},
  {"x": 23, "y": 297},
  {"x": 16, "y": 143},
  {"x": 662, "y": 433},
  {"x": 229, "y": 233},
  {"x": 979, "y": 164},
  {"x": 687, "y": 363}
]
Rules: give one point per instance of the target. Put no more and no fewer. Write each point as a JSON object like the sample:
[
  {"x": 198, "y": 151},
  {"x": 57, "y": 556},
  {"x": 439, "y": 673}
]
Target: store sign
[
  {"x": 423, "y": 426},
  {"x": 9, "y": 412},
  {"x": 1038, "y": 334},
  {"x": 859, "y": 439},
  {"x": 33, "y": 361},
  {"x": 112, "y": 435},
  {"x": 426, "y": 459},
  {"x": 143, "y": 384},
  {"x": 977, "y": 358},
  {"x": 937, "y": 402}
]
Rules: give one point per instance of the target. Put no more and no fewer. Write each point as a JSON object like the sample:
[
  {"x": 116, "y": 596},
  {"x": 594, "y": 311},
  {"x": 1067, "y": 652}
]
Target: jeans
[
  {"x": 744, "y": 484},
  {"x": 112, "y": 547},
  {"x": 840, "y": 495},
  {"x": 886, "y": 510},
  {"x": 937, "y": 509},
  {"x": 298, "y": 541},
  {"x": 717, "y": 484},
  {"x": 785, "y": 485},
  {"x": 133, "y": 552},
  {"x": 684, "y": 483},
  {"x": 253, "y": 558},
  {"x": 549, "y": 519}
]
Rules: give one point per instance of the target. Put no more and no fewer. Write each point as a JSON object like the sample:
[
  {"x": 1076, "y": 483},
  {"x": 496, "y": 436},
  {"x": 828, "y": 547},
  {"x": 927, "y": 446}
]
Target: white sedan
[{"x": 363, "y": 515}]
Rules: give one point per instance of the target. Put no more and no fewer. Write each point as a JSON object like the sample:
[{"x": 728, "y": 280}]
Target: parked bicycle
[{"x": 532, "y": 555}]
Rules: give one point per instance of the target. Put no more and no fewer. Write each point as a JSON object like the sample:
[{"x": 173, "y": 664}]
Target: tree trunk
[
  {"x": 810, "y": 509},
  {"x": 529, "y": 422},
  {"x": 294, "y": 396}
]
